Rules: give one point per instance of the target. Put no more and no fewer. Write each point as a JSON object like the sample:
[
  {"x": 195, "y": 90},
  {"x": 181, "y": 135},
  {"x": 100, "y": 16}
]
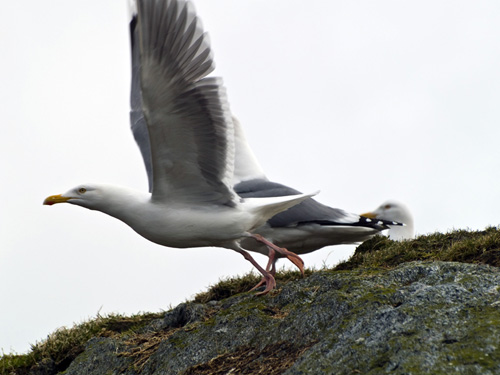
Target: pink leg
[
  {"x": 268, "y": 279},
  {"x": 270, "y": 264},
  {"x": 294, "y": 258},
  {"x": 269, "y": 268},
  {"x": 273, "y": 268}
]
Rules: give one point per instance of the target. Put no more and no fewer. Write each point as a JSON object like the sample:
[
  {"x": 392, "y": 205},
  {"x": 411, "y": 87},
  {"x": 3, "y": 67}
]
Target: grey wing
[
  {"x": 309, "y": 211},
  {"x": 137, "y": 121},
  {"x": 180, "y": 119}
]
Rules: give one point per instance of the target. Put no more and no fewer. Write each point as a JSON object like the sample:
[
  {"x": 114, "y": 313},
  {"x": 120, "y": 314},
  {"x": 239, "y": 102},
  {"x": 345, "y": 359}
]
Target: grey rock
[
  {"x": 419, "y": 318},
  {"x": 185, "y": 313},
  {"x": 101, "y": 357},
  {"x": 46, "y": 367}
]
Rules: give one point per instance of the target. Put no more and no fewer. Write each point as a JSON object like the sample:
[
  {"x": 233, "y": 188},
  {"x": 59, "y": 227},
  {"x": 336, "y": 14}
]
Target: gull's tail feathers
[{"x": 267, "y": 207}]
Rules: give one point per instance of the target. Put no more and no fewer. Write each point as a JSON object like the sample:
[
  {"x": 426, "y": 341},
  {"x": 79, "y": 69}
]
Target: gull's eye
[
  {"x": 387, "y": 206},
  {"x": 82, "y": 190}
]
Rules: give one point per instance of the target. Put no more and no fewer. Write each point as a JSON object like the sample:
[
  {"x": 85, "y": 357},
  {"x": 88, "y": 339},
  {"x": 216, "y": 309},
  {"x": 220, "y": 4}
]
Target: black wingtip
[
  {"x": 365, "y": 221},
  {"x": 133, "y": 25},
  {"x": 362, "y": 222}
]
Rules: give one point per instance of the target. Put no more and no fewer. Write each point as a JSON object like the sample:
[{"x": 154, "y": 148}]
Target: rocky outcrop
[
  {"x": 418, "y": 318},
  {"x": 426, "y": 306}
]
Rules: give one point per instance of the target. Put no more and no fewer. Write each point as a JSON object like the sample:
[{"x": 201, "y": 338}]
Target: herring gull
[
  {"x": 182, "y": 124},
  {"x": 304, "y": 228},
  {"x": 395, "y": 211}
]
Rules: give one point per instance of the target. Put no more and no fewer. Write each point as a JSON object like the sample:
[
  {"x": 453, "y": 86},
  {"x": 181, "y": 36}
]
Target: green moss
[
  {"x": 460, "y": 246},
  {"x": 179, "y": 341},
  {"x": 472, "y": 356},
  {"x": 63, "y": 345}
]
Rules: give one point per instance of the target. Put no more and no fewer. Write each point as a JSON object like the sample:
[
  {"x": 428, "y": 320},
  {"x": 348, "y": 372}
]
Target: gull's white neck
[
  {"x": 398, "y": 233},
  {"x": 122, "y": 203}
]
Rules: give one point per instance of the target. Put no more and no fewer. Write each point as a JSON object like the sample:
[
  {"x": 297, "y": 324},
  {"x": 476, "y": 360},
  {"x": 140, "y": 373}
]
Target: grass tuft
[
  {"x": 240, "y": 284},
  {"x": 59, "y": 349},
  {"x": 480, "y": 247}
]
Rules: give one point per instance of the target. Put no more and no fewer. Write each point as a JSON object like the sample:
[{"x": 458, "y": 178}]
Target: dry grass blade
[{"x": 271, "y": 360}]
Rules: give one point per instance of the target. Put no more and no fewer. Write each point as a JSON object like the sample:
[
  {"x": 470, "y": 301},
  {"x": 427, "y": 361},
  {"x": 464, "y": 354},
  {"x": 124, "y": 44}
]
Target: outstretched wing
[
  {"x": 180, "y": 119},
  {"x": 246, "y": 165}
]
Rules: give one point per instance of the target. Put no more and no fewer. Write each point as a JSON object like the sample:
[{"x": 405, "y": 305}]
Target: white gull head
[{"x": 395, "y": 211}]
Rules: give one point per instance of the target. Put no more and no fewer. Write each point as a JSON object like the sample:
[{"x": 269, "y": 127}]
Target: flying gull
[
  {"x": 397, "y": 211},
  {"x": 181, "y": 121},
  {"x": 304, "y": 228}
]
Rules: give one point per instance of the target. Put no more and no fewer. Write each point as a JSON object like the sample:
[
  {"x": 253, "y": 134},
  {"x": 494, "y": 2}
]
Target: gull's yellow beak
[
  {"x": 369, "y": 215},
  {"x": 53, "y": 199}
]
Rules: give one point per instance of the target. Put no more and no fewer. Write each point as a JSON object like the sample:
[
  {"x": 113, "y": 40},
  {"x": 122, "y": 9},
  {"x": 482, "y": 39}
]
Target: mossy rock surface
[{"x": 380, "y": 317}]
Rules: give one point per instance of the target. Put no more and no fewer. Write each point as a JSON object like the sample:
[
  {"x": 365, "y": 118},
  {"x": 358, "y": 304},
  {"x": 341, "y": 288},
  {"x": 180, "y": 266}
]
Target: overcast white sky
[{"x": 363, "y": 100}]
